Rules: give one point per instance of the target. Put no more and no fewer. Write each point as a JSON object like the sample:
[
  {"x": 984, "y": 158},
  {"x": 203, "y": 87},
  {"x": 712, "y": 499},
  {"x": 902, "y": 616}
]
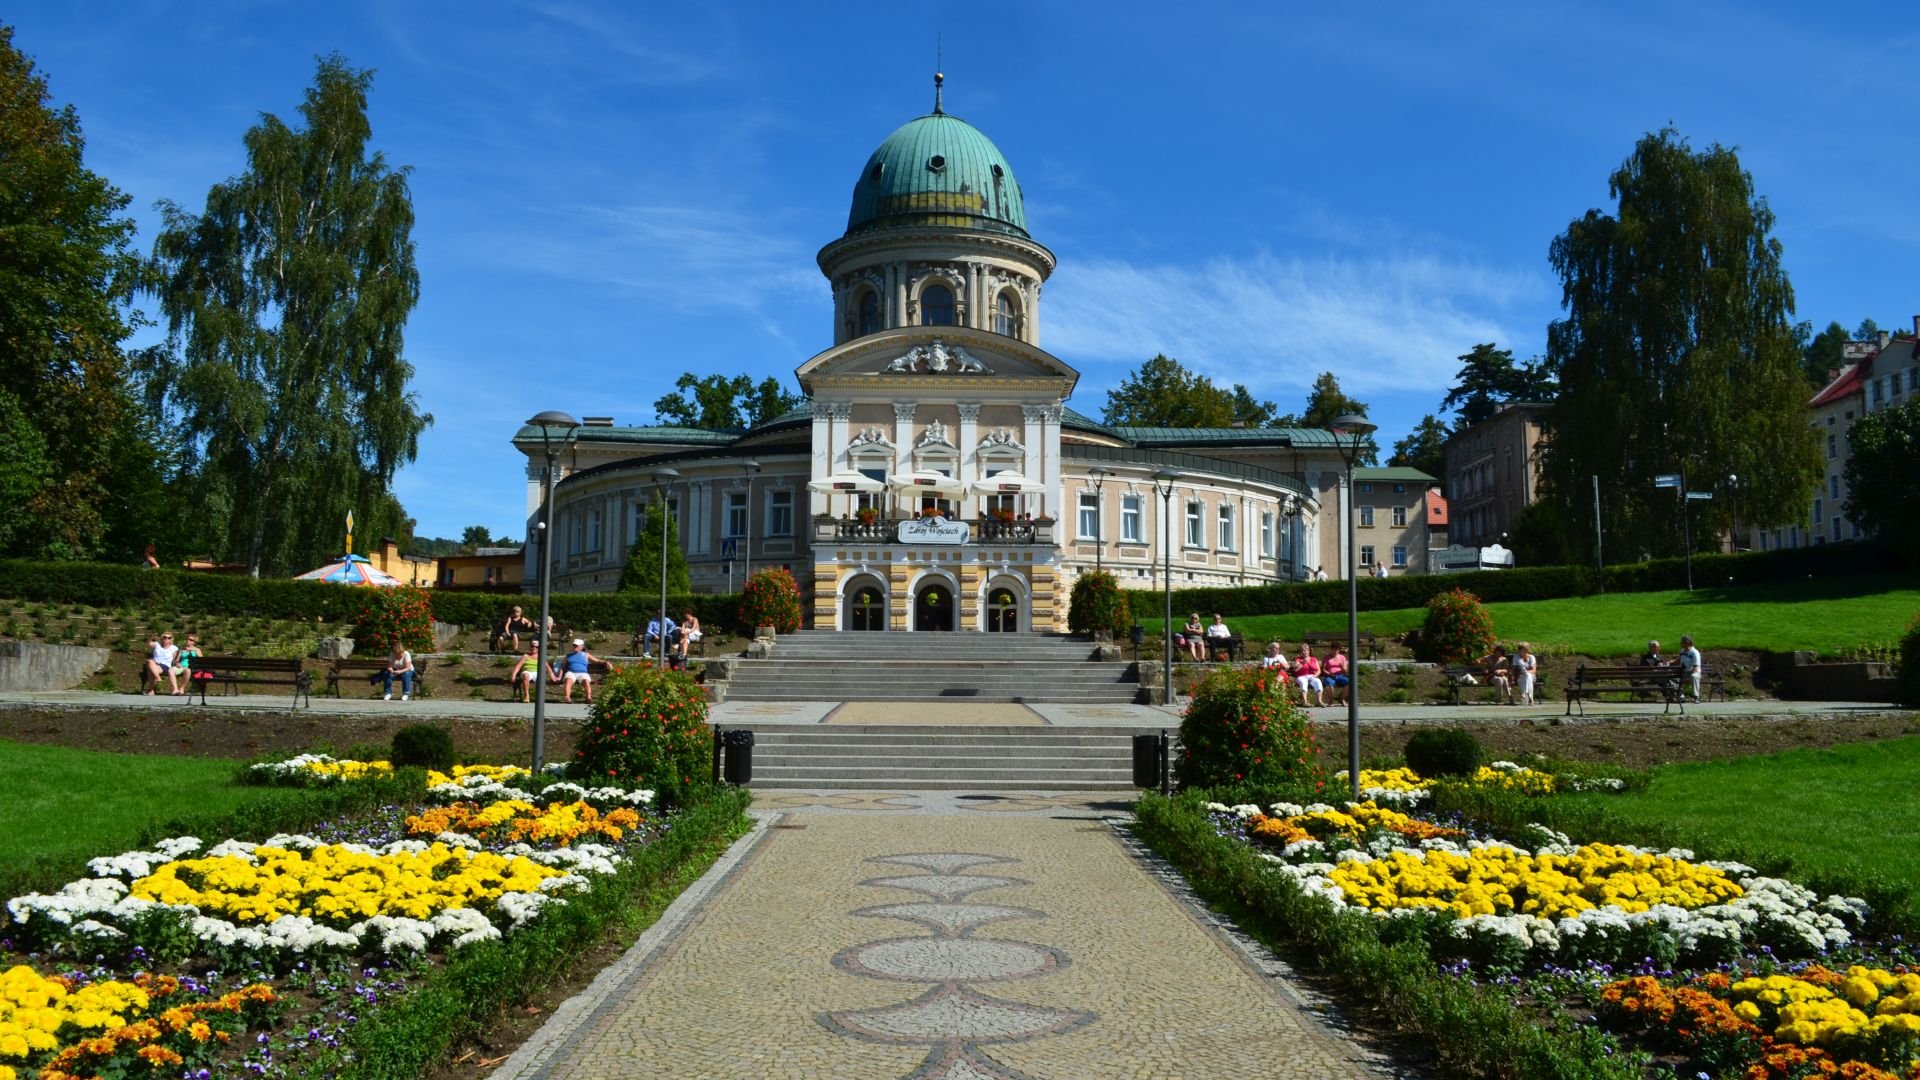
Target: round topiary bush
[
  {"x": 1443, "y": 752},
  {"x": 1098, "y": 605},
  {"x": 770, "y": 598},
  {"x": 1458, "y": 628},
  {"x": 1906, "y": 686},
  {"x": 403, "y": 613},
  {"x": 1243, "y": 729},
  {"x": 423, "y": 746},
  {"x": 647, "y": 728}
]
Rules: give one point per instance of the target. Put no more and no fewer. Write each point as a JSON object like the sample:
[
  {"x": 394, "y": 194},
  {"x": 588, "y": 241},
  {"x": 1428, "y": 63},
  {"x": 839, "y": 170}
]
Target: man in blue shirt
[{"x": 654, "y": 635}]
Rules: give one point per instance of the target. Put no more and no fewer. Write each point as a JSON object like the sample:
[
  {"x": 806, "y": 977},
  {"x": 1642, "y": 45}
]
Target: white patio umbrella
[
  {"x": 923, "y": 481},
  {"x": 849, "y": 482},
  {"x": 1008, "y": 483}
]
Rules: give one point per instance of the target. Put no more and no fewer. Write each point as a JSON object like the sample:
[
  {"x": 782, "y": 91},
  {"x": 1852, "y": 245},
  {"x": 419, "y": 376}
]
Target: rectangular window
[
  {"x": 1089, "y": 515},
  {"x": 1366, "y": 487},
  {"x": 575, "y": 529},
  {"x": 1401, "y": 489},
  {"x": 1833, "y": 445},
  {"x": 1836, "y": 530},
  {"x": 1196, "y": 529},
  {"x": 1833, "y": 488},
  {"x": 1873, "y": 393},
  {"x": 1366, "y": 517},
  {"x": 1130, "y": 518},
  {"x": 593, "y": 530},
  {"x": 1816, "y": 513},
  {"x": 1399, "y": 555},
  {"x": 1227, "y": 540},
  {"x": 780, "y": 513},
  {"x": 1266, "y": 534},
  {"x": 1366, "y": 554},
  {"x": 1399, "y": 517},
  {"x": 736, "y": 525}
]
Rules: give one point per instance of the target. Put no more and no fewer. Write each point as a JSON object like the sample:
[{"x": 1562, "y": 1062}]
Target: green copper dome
[{"x": 937, "y": 172}]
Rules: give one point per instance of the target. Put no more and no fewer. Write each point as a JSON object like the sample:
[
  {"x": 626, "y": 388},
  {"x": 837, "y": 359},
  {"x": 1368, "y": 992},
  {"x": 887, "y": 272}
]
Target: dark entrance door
[
  {"x": 1003, "y": 612},
  {"x": 933, "y": 609},
  {"x": 868, "y": 610}
]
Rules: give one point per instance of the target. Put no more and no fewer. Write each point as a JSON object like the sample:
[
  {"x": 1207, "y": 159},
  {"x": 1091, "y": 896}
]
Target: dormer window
[
  {"x": 1005, "y": 316},
  {"x": 936, "y": 163},
  {"x": 936, "y": 306},
  {"x": 869, "y": 316}
]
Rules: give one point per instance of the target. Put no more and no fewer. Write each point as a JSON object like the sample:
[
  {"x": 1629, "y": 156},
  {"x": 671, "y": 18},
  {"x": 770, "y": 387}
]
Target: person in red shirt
[
  {"x": 1334, "y": 673},
  {"x": 1306, "y": 672}
]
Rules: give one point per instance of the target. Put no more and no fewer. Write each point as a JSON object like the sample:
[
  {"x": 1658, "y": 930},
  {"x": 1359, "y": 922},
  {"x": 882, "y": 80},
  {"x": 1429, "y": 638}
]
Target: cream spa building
[{"x": 938, "y": 479}]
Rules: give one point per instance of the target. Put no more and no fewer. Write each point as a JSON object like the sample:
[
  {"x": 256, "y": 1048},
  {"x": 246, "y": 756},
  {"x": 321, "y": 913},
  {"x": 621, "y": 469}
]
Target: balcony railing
[{"x": 980, "y": 531}]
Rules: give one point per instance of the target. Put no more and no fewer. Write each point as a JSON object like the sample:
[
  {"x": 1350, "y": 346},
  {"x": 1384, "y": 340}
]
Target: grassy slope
[
  {"x": 64, "y": 803},
  {"x": 1825, "y": 615},
  {"x": 1827, "y": 810}
]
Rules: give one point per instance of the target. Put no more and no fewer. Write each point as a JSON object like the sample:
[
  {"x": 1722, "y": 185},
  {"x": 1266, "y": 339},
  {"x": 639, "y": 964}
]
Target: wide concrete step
[
  {"x": 938, "y": 783},
  {"x": 1125, "y": 696},
  {"x": 878, "y": 736}
]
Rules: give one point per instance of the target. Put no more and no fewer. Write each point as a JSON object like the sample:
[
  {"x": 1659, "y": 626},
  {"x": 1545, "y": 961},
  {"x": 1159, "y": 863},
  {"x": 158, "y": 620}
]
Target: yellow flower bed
[
  {"x": 34, "y": 1008},
  {"x": 338, "y": 884},
  {"x": 519, "y": 820},
  {"x": 1513, "y": 778},
  {"x": 1823, "y": 1008},
  {"x": 1354, "y": 823},
  {"x": 351, "y": 770},
  {"x": 499, "y": 774},
  {"x": 1500, "y": 880},
  {"x": 90, "y": 1029},
  {"x": 1401, "y": 779}
]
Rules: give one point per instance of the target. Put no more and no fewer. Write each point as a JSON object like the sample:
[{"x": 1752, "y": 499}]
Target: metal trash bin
[
  {"x": 1148, "y": 760},
  {"x": 739, "y": 759}
]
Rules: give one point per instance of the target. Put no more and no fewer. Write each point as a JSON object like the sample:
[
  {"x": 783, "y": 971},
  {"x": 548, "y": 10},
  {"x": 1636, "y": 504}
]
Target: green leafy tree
[
  {"x": 1677, "y": 350},
  {"x": 1883, "y": 488},
  {"x": 285, "y": 301},
  {"x": 474, "y": 537},
  {"x": 719, "y": 403},
  {"x": 1252, "y": 413},
  {"x": 642, "y": 572},
  {"x": 648, "y": 729},
  {"x": 1490, "y": 377},
  {"x": 1458, "y": 630},
  {"x": 1325, "y": 402},
  {"x": 1424, "y": 448},
  {"x": 1823, "y": 354},
  {"x": 67, "y": 267},
  {"x": 1163, "y": 393},
  {"x": 1242, "y": 728}
]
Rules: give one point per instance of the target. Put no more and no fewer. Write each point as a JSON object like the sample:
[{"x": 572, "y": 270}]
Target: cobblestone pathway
[{"x": 859, "y": 941}]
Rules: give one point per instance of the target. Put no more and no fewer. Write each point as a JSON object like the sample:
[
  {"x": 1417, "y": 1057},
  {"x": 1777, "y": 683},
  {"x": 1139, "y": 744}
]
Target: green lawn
[
  {"x": 64, "y": 804},
  {"x": 1826, "y": 615},
  {"x": 1830, "y": 811}
]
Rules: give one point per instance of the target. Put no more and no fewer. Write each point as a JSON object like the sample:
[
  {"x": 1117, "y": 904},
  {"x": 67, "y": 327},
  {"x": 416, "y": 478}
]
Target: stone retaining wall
[{"x": 30, "y": 665}]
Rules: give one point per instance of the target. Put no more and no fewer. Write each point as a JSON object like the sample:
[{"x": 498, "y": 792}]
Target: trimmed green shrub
[
  {"x": 1098, "y": 605},
  {"x": 402, "y": 615},
  {"x": 1443, "y": 752},
  {"x": 771, "y": 598},
  {"x": 423, "y": 746},
  {"x": 648, "y": 728},
  {"x": 1906, "y": 686},
  {"x": 1458, "y": 629},
  {"x": 1243, "y": 728}
]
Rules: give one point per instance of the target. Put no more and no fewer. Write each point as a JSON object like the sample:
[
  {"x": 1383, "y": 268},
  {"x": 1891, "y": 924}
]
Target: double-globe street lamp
[
  {"x": 1359, "y": 427},
  {"x": 547, "y": 422},
  {"x": 1163, "y": 482},
  {"x": 748, "y": 467},
  {"x": 661, "y": 478}
]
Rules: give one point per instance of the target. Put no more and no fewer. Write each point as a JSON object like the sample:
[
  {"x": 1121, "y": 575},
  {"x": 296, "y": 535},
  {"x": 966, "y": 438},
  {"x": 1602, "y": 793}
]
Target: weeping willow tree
[
  {"x": 1677, "y": 351},
  {"x": 285, "y": 301}
]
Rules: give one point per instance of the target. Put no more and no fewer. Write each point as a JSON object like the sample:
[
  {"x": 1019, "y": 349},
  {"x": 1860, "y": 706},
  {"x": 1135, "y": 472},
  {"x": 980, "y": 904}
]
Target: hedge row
[
  {"x": 1545, "y": 582},
  {"x": 111, "y": 585}
]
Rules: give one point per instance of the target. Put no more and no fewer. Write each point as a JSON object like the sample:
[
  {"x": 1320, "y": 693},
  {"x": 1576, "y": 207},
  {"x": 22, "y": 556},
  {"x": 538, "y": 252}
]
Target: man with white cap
[{"x": 576, "y": 667}]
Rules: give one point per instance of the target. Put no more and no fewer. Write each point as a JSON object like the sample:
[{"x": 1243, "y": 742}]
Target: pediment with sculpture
[{"x": 943, "y": 353}]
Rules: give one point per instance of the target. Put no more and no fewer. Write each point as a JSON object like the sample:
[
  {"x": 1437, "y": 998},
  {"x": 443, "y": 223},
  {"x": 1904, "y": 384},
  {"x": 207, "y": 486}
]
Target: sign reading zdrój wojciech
[{"x": 934, "y": 530}]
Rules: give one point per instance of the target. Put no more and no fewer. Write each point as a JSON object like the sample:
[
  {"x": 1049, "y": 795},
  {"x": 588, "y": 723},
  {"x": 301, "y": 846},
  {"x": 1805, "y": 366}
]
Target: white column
[
  {"x": 823, "y": 464},
  {"x": 839, "y": 413},
  {"x": 899, "y": 272},
  {"x": 903, "y": 437},
  {"x": 1033, "y": 435},
  {"x": 969, "y": 465}
]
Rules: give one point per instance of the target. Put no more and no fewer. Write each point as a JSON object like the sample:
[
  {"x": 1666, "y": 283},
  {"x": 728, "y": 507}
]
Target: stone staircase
[
  {"x": 946, "y": 758},
  {"x": 825, "y": 665}
]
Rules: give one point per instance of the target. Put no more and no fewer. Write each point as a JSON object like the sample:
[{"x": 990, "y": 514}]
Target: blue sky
[{"x": 611, "y": 194}]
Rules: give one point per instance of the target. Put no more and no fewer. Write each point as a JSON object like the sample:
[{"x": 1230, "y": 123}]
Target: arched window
[
  {"x": 869, "y": 317},
  {"x": 936, "y": 306},
  {"x": 1004, "y": 319}
]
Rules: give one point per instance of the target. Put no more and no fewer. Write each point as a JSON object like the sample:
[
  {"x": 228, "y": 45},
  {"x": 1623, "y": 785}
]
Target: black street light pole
[
  {"x": 1163, "y": 482},
  {"x": 661, "y": 478},
  {"x": 749, "y": 467},
  {"x": 546, "y": 422},
  {"x": 1099, "y": 475},
  {"x": 1358, "y": 426}
]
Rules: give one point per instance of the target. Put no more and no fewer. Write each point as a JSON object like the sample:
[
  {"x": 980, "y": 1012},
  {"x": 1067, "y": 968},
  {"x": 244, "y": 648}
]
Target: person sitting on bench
[
  {"x": 1218, "y": 636},
  {"x": 689, "y": 633},
  {"x": 527, "y": 673},
  {"x": 654, "y": 635},
  {"x": 510, "y": 632},
  {"x": 399, "y": 666},
  {"x": 575, "y": 667},
  {"x": 1334, "y": 675}
]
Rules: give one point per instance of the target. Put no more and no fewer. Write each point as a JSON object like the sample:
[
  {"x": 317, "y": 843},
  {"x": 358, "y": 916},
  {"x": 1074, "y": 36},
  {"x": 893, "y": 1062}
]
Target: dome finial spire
[{"x": 938, "y": 77}]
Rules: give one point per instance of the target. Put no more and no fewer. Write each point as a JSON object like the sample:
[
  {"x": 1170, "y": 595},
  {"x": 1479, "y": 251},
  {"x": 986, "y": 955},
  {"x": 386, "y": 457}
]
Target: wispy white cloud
[{"x": 1384, "y": 324}]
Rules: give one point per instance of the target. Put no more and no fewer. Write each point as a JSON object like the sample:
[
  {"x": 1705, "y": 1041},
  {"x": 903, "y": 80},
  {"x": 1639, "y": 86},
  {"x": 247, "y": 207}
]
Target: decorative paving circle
[{"x": 952, "y": 1018}]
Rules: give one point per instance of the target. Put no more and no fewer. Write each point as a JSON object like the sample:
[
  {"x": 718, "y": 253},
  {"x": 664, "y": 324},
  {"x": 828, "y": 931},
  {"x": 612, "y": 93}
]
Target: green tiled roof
[
  {"x": 1083, "y": 422},
  {"x": 1394, "y": 473},
  {"x": 1315, "y": 438},
  {"x": 937, "y": 171},
  {"x": 662, "y": 434}
]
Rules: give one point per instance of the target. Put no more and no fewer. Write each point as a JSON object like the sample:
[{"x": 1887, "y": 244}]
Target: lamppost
[
  {"x": 546, "y": 422},
  {"x": 1359, "y": 427},
  {"x": 661, "y": 478},
  {"x": 1099, "y": 475},
  {"x": 1163, "y": 482},
  {"x": 1292, "y": 510},
  {"x": 749, "y": 467}
]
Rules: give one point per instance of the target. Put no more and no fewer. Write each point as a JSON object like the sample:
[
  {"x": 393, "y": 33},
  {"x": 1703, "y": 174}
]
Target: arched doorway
[
  {"x": 865, "y": 607},
  {"x": 933, "y": 608},
  {"x": 1003, "y": 612}
]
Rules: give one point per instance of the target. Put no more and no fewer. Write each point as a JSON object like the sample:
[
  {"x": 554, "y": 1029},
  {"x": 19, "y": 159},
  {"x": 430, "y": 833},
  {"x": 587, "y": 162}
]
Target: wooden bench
[
  {"x": 1326, "y": 639},
  {"x": 231, "y": 671},
  {"x": 362, "y": 666},
  {"x": 1483, "y": 676},
  {"x": 1590, "y": 681},
  {"x": 638, "y": 642}
]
